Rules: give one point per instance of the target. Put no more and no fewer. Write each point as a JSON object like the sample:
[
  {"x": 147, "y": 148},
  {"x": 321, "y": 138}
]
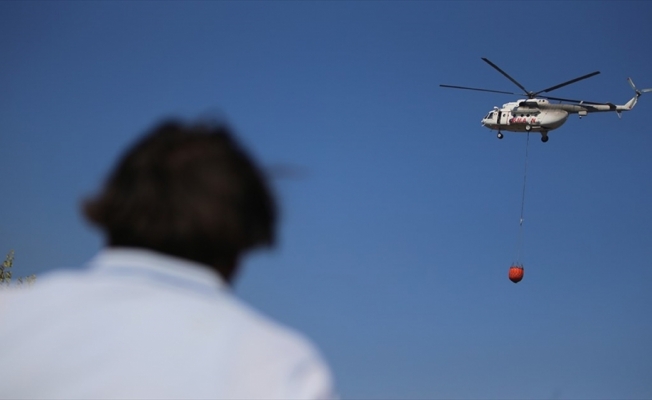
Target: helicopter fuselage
[{"x": 525, "y": 115}]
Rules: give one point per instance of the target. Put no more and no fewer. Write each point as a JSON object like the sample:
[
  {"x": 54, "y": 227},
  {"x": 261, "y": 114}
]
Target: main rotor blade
[
  {"x": 550, "y": 89},
  {"x": 506, "y": 75},
  {"x": 476, "y": 89}
]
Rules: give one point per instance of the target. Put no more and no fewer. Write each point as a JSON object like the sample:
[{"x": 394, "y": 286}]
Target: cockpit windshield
[{"x": 490, "y": 115}]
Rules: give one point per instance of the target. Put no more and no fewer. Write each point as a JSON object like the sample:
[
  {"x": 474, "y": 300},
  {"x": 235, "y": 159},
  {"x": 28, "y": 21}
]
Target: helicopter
[{"x": 537, "y": 113}]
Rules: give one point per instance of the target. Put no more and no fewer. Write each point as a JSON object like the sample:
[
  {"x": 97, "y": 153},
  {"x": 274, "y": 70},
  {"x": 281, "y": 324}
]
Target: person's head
[{"x": 190, "y": 191}]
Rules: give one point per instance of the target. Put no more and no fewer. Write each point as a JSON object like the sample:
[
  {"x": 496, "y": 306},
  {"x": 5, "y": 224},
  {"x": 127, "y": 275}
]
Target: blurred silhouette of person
[{"x": 152, "y": 315}]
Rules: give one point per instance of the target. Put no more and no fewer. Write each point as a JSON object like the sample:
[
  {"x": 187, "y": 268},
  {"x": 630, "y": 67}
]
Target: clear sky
[{"x": 399, "y": 230}]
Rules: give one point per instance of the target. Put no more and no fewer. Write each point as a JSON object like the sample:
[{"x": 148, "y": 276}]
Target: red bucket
[{"x": 515, "y": 273}]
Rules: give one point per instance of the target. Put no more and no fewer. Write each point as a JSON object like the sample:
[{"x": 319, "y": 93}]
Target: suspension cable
[{"x": 519, "y": 245}]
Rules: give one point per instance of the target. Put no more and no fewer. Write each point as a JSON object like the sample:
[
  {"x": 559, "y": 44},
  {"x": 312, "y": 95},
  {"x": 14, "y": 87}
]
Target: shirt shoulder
[{"x": 195, "y": 339}]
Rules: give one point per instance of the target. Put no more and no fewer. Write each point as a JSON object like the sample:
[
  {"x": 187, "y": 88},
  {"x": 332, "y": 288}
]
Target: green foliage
[{"x": 5, "y": 272}]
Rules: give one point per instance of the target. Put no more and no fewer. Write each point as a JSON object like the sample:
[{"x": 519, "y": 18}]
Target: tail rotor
[{"x": 639, "y": 92}]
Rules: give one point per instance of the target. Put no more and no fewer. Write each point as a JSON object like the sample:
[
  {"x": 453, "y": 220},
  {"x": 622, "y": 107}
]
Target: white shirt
[{"x": 139, "y": 324}]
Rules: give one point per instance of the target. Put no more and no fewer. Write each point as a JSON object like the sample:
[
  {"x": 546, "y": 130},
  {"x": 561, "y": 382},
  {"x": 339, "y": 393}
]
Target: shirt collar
[{"x": 155, "y": 264}]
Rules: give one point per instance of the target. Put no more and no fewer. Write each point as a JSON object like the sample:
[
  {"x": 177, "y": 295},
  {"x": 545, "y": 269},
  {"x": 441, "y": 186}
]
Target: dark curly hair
[{"x": 189, "y": 191}]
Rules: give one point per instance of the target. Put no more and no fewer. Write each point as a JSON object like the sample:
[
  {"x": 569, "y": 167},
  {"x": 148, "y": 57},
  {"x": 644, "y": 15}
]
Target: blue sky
[{"x": 397, "y": 235}]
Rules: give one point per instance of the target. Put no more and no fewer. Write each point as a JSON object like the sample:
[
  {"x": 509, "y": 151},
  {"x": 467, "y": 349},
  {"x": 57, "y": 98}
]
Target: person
[{"x": 152, "y": 315}]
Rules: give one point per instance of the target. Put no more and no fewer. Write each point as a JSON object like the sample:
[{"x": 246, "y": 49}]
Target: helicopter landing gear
[
  {"x": 544, "y": 137},
  {"x": 528, "y": 127},
  {"x": 499, "y": 135}
]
